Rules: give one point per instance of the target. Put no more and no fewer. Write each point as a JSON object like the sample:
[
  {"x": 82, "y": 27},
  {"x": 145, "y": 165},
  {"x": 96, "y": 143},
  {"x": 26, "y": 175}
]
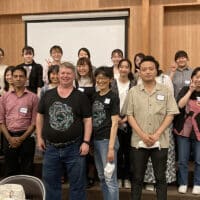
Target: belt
[
  {"x": 62, "y": 145},
  {"x": 17, "y": 133}
]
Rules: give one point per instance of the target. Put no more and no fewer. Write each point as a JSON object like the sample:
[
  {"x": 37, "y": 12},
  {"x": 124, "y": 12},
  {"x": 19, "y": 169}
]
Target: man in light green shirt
[{"x": 150, "y": 110}]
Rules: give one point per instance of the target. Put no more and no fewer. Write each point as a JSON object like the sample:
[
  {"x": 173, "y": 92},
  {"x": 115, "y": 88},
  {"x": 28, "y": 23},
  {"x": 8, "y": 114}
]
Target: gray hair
[{"x": 68, "y": 65}]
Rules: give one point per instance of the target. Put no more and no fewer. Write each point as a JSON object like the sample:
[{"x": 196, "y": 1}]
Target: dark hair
[
  {"x": 141, "y": 55},
  {"x": 28, "y": 50},
  {"x": 52, "y": 68},
  {"x": 130, "y": 74},
  {"x": 105, "y": 71},
  {"x": 6, "y": 85},
  {"x": 56, "y": 48},
  {"x": 83, "y": 61},
  {"x": 118, "y": 51},
  {"x": 195, "y": 71},
  {"x": 180, "y": 54},
  {"x": 2, "y": 51},
  {"x": 150, "y": 58},
  {"x": 20, "y": 68},
  {"x": 85, "y": 50}
]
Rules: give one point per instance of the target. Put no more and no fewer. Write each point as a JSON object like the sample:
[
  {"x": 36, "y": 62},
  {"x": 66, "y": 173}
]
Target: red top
[{"x": 18, "y": 113}]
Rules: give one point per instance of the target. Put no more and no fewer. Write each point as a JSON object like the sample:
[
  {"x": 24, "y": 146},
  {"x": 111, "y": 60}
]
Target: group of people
[{"x": 119, "y": 119}]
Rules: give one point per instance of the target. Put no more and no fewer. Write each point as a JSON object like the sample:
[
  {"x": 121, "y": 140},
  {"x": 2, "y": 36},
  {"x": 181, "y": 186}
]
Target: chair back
[{"x": 33, "y": 186}]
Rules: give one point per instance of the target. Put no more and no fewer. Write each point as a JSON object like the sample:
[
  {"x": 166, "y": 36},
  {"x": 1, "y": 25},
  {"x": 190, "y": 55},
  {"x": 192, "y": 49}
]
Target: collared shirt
[
  {"x": 18, "y": 113},
  {"x": 149, "y": 110},
  {"x": 181, "y": 78}
]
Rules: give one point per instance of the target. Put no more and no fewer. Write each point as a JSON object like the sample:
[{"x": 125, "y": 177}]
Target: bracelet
[{"x": 86, "y": 142}]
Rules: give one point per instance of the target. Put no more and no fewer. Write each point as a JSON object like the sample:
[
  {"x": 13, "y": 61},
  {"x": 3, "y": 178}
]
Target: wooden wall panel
[
  {"x": 12, "y": 40},
  {"x": 182, "y": 31},
  {"x": 156, "y": 32},
  {"x": 160, "y": 32},
  {"x": 46, "y": 6},
  {"x": 164, "y": 2},
  {"x": 13, "y": 10}
]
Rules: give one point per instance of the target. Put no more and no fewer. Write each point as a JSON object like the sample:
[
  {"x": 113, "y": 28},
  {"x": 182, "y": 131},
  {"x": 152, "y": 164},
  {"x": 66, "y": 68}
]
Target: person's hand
[
  {"x": 41, "y": 144},
  {"x": 14, "y": 142},
  {"x": 173, "y": 67},
  {"x": 110, "y": 155},
  {"x": 147, "y": 140},
  {"x": 84, "y": 149},
  {"x": 120, "y": 121},
  {"x": 49, "y": 63},
  {"x": 154, "y": 137},
  {"x": 192, "y": 87}
]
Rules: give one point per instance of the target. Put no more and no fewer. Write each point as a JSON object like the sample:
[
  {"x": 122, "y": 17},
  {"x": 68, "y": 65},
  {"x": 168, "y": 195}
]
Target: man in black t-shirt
[{"x": 64, "y": 122}]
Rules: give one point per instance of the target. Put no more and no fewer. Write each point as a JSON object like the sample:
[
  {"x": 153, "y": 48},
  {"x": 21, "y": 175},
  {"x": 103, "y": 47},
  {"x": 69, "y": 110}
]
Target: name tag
[
  {"x": 23, "y": 110},
  {"x": 198, "y": 99},
  {"x": 81, "y": 89},
  {"x": 160, "y": 97},
  {"x": 107, "y": 101},
  {"x": 187, "y": 82}
]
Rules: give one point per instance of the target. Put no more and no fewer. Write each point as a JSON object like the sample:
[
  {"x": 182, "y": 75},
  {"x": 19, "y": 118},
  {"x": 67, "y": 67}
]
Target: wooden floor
[{"x": 94, "y": 193}]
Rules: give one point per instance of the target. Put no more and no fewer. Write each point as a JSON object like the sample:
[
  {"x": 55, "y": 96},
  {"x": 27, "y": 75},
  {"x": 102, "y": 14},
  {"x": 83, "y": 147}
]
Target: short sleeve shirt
[
  {"x": 181, "y": 79},
  {"x": 63, "y": 117},
  {"x": 150, "y": 110},
  {"x": 103, "y": 108}
]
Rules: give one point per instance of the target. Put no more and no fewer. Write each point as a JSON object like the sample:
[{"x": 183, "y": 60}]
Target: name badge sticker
[
  {"x": 107, "y": 101},
  {"x": 160, "y": 97},
  {"x": 187, "y": 82},
  {"x": 23, "y": 110},
  {"x": 81, "y": 89}
]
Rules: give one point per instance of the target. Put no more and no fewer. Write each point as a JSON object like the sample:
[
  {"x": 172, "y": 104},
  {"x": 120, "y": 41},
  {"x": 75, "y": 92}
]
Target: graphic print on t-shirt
[
  {"x": 61, "y": 116},
  {"x": 99, "y": 114}
]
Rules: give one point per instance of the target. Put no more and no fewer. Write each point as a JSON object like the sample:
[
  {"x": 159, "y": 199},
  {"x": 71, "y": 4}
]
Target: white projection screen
[{"x": 100, "y": 36}]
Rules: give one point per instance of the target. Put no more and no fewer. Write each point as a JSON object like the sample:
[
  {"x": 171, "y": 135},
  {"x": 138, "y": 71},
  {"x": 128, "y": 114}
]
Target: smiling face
[
  {"x": 116, "y": 57},
  {"x": 28, "y": 57},
  {"x": 83, "y": 70},
  {"x": 66, "y": 76},
  {"x": 181, "y": 62},
  {"x": 148, "y": 71},
  {"x": 124, "y": 68},
  {"x": 103, "y": 82},
  {"x": 53, "y": 77},
  {"x": 83, "y": 54},
  {"x": 56, "y": 55},
  {"x": 8, "y": 77},
  {"x": 196, "y": 80}
]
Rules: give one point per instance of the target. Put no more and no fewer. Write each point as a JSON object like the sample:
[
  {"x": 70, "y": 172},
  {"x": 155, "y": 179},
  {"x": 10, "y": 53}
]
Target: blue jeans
[
  {"x": 184, "y": 145},
  {"x": 55, "y": 159},
  {"x": 109, "y": 186}
]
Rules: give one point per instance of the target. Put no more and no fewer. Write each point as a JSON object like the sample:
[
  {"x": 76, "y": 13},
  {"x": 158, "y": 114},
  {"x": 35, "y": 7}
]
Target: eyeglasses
[{"x": 102, "y": 78}]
